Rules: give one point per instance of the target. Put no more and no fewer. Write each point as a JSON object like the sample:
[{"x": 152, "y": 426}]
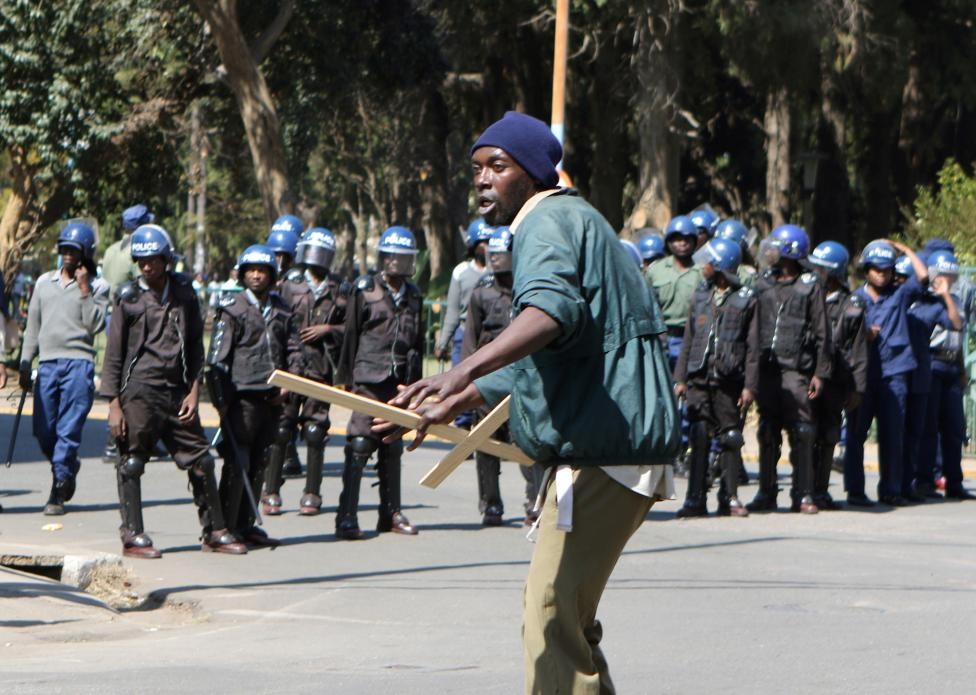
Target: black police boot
[
  {"x": 215, "y": 537},
  {"x": 694, "y": 505},
  {"x": 769, "y": 450},
  {"x": 489, "y": 494},
  {"x": 271, "y": 499},
  {"x": 347, "y": 519},
  {"x": 823, "y": 461},
  {"x": 388, "y": 471},
  {"x": 135, "y": 542},
  {"x": 311, "y": 502},
  {"x": 802, "y": 437}
]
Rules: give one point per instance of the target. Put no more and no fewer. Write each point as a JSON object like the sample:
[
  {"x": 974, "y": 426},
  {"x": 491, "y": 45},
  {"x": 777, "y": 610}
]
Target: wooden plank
[
  {"x": 398, "y": 416},
  {"x": 478, "y": 436}
]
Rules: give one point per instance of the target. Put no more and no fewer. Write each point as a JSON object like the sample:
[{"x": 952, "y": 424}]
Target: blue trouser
[
  {"x": 63, "y": 396},
  {"x": 884, "y": 399},
  {"x": 945, "y": 430},
  {"x": 915, "y": 411},
  {"x": 674, "y": 350},
  {"x": 465, "y": 419}
]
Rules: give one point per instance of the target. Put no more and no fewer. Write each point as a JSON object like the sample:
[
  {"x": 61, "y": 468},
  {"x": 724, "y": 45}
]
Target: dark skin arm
[{"x": 532, "y": 330}]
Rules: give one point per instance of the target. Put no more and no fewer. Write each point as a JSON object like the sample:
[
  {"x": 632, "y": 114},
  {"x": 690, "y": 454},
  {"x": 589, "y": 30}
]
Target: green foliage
[{"x": 949, "y": 211}]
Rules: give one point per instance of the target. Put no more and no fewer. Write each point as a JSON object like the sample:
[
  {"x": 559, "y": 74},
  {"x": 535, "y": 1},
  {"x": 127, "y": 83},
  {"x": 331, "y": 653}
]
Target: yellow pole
[{"x": 557, "y": 123}]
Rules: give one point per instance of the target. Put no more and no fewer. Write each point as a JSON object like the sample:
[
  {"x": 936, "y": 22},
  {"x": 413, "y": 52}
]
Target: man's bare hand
[
  {"x": 116, "y": 420},
  {"x": 745, "y": 399},
  {"x": 316, "y": 333},
  {"x": 679, "y": 391},
  {"x": 188, "y": 408},
  {"x": 816, "y": 387},
  {"x": 439, "y": 386}
]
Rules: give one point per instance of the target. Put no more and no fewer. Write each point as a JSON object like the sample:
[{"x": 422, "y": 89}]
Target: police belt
[
  {"x": 946, "y": 355},
  {"x": 676, "y": 331}
]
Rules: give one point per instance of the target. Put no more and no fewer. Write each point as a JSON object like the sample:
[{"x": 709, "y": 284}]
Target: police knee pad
[
  {"x": 284, "y": 432},
  {"x": 204, "y": 467},
  {"x": 363, "y": 446},
  {"x": 804, "y": 432},
  {"x": 731, "y": 440},
  {"x": 132, "y": 466},
  {"x": 315, "y": 435}
]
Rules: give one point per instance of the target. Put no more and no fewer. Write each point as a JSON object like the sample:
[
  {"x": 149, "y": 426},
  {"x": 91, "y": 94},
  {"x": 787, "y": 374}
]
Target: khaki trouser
[{"x": 566, "y": 579}]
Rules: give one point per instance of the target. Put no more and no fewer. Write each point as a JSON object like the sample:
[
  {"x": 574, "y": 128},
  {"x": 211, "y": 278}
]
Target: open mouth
[{"x": 485, "y": 205}]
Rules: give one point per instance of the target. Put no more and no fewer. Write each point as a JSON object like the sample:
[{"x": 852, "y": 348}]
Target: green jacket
[
  {"x": 117, "y": 265},
  {"x": 674, "y": 289},
  {"x": 600, "y": 394}
]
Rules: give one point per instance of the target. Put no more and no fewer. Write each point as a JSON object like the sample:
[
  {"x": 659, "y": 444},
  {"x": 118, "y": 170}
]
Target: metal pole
[{"x": 559, "y": 71}]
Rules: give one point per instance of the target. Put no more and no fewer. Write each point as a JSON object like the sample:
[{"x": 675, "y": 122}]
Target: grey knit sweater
[{"x": 61, "y": 324}]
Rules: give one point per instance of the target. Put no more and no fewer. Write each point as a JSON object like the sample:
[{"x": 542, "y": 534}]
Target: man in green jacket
[{"x": 591, "y": 395}]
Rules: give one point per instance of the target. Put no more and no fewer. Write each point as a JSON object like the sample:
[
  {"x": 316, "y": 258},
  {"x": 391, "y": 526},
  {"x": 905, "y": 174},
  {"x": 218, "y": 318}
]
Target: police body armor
[
  {"x": 720, "y": 332},
  {"x": 497, "y": 303},
  {"x": 292, "y": 288},
  {"x": 786, "y": 340},
  {"x": 328, "y": 307},
  {"x": 388, "y": 332},
  {"x": 259, "y": 336},
  {"x": 845, "y": 312},
  {"x": 130, "y": 307}
]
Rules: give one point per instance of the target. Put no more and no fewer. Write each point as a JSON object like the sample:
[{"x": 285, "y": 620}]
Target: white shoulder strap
[{"x": 529, "y": 207}]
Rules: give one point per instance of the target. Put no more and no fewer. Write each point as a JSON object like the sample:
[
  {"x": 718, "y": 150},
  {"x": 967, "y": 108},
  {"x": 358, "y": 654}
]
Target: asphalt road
[{"x": 864, "y": 601}]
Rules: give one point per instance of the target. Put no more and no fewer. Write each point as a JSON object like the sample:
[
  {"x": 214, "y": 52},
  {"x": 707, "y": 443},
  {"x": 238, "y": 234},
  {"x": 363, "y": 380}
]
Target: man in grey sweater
[{"x": 67, "y": 309}]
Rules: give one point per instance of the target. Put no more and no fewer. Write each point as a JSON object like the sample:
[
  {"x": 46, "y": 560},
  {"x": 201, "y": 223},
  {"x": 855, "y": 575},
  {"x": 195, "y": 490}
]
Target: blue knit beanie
[{"x": 529, "y": 142}]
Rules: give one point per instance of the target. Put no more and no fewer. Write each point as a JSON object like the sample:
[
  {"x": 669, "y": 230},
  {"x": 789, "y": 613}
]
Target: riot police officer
[
  {"x": 718, "y": 372},
  {"x": 464, "y": 277},
  {"x": 151, "y": 376},
  {"x": 890, "y": 362},
  {"x": 945, "y": 420},
  {"x": 794, "y": 339},
  {"x": 704, "y": 220},
  {"x": 849, "y": 363},
  {"x": 320, "y": 313},
  {"x": 283, "y": 240},
  {"x": 382, "y": 348},
  {"x": 252, "y": 336},
  {"x": 734, "y": 230},
  {"x": 489, "y": 313}
]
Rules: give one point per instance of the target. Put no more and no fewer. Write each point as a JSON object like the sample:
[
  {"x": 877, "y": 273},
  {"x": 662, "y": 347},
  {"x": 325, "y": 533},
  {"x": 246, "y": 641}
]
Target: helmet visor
[
  {"x": 400, "y": 264},
  {"x": 315, "y": 255}
]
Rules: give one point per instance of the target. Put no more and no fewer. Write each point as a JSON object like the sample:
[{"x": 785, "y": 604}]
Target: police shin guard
[
  {"x": 697, "y": 471},
  {"x": 802, "y": 437},
  {"x": 823, "y": 461},
  {"x": 489, "y": 494},
  {"x": 390, "y": 516},
  {"x": 135, "y": 542},
  {"x": 315, "y": 439},
  {"x": 215, "y": 535},
  {"x": 730, "y": 461},
  {"x": 769, "y": 450},
  {"x": 357, "y": 452}
]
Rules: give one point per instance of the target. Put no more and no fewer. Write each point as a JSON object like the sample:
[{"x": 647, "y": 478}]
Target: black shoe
[
  {"x": 762, "y": 502},
  {"x": 912, "y": 497},
  {"x": 893, "y": 500},
  {"x": 927, "y": 491},
  {"x": 959, "y": 493},
  {"x": 826, "y": 503},
  {"x": 691, "y": 510},
  {"x": 493, "y": 516},
  {"x": 860, "y": 500}
]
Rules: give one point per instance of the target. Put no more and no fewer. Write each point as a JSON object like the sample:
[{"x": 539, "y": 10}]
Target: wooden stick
[
  {"x": 398, "y": 416},
  {"x": 479, "y": 435}
]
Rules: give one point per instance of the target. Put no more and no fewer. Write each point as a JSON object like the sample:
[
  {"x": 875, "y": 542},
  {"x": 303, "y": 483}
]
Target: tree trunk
[
  {"x": 776, "y": 123},
  {"x": 832, "y": 197},
  {"x": 15, "y": 231},
  {"x": 255, "y": 103},
  {"x": 658, "y": 166},
  {"x": 434, "y": 191}
]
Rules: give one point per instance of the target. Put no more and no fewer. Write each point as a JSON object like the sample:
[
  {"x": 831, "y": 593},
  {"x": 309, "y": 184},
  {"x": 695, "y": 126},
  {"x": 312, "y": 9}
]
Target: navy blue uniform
[
  {"x": 890, "y": 362},
  {"x": 922, "y": 318}
]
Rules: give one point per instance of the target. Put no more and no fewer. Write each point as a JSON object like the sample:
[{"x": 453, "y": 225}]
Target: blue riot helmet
[
  {"x": 680, "y": 226},
  {"x": 478, "y": 231},
  {"x": 791, "y": 241},
  {"x": 285, "y": 233},
  {"x": 732, "y": 230},
  {"x": 943, "y": 262},
  {"x": 317, "y": 248},
  {"x": 79, "y": 235},
  {"x": 151, "y": 240},
  {"x": 704, "y": 220},
  {"x": 632, "y": 251},
  {"x": 721, "y": 254},
  {"x": 833, "y": 257},
  {"x": 398, "y": 252},
  {"x": 903, "y": 266},
  {"x": 651, "y": 246},
  {"x": 257, "y": 255},
  {"x": 879, "y": 254},
  {"x": 500, "y": 250}
]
